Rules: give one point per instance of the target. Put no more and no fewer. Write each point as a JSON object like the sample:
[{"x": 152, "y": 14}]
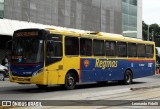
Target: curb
[{"x": 144, "y": 88}]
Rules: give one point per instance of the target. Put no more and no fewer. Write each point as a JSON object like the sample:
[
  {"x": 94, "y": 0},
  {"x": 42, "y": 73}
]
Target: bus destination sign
[{"x": 27, "y": 34}]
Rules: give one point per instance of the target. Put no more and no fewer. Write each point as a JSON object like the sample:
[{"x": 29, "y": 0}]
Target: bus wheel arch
[
  {"x": 70, "y": 79},
  {"x": 128, "y": 76}
]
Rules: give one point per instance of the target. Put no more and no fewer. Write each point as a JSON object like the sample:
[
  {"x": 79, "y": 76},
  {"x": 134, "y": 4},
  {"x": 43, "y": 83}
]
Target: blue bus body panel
[
  {"x": 113, "y": 69},
  {"x": 25, "y": 70}
]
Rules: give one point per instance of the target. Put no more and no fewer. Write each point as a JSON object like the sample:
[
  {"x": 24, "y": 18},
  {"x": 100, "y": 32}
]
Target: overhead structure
[{"x": 7, "y": 27}]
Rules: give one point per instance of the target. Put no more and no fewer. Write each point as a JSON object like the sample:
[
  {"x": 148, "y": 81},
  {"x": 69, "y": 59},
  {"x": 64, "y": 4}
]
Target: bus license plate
[{"x": 20, "y": 79}]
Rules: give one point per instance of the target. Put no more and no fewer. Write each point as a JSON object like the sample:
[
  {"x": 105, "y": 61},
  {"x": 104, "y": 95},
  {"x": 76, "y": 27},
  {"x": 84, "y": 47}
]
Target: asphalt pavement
[{"x": 143, "y": 97}]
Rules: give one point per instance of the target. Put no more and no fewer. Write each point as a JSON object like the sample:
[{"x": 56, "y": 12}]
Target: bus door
[{"x": 53, "y": 60}]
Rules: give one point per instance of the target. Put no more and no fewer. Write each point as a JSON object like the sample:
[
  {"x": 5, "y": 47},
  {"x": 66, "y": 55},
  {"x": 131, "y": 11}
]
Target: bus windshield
[{"x": 27, "y": 50}]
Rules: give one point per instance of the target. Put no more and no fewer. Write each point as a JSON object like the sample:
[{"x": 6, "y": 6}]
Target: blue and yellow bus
[{"x": 66, "y": 57}]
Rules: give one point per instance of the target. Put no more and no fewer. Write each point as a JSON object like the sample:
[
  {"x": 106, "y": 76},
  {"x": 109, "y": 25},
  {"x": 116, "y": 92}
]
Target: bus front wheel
[
  {"x": 70, "y": 81},
  {"x": 128, "y": 77}
]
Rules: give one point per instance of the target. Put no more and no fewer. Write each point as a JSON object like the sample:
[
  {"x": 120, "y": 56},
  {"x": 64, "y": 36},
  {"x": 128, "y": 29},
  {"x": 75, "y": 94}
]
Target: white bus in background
[{"x": 158, "y": 55}]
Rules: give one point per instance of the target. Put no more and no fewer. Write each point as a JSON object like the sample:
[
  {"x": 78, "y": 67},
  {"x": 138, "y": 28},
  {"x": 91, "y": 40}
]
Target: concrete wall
[{"x": 93, "y": 15}]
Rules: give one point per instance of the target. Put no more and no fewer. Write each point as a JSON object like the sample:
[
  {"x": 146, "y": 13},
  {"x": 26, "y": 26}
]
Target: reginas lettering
[{"x": 106, "y": 63}]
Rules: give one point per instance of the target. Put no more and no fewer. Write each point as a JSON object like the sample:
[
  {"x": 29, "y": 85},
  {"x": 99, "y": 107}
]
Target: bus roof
[
  {"x": 95, "y": 35},
  {"x": 118, "y": 37},
  {"x": 67, "y": 31}
]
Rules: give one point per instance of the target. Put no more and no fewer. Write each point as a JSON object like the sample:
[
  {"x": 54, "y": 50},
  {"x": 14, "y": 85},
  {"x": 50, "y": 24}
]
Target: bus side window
[
  {"x": 149, "y": 51},
  {"x": 110, "y": 47},
  {"x": 141, "y": 50},
  {"x": 132, "y": 50},
  {"x": 85, "y": 47},
  {"x": 121, "y": 49},
  {"x": 98, "y": 47},
  {"x": 71, "y": 45}
]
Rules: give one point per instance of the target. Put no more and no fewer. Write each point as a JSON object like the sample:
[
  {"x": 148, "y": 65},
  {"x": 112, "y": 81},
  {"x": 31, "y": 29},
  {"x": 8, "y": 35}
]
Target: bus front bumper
[{"x": 28, "y": 80}]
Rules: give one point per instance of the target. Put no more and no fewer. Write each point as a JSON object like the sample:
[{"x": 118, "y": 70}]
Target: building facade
[
  {"x": 113, "y": 16},
  {"x": 132, "y": 18},
  {"x": 1, "y": 8}
]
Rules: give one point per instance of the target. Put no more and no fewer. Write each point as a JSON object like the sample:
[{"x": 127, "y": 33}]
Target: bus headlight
[{"x": 37, "y": 72}]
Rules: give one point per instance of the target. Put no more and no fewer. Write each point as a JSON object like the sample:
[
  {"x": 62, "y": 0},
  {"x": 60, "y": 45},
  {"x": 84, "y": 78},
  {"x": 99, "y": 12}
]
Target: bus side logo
[{"x": 86, "y": 63}]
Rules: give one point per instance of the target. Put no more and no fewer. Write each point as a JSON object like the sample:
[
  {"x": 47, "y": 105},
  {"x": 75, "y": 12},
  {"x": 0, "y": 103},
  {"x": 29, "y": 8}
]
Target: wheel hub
[
  {"x": 70, "y": 81},
  {"x": 128, "y": 78}
]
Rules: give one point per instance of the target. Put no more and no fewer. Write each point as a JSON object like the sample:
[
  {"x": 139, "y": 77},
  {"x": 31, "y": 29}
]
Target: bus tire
[
  {"x": 128, "y": 77},
  {"x": 70, "y": 81},
  {"x": 42, "y": 86}
]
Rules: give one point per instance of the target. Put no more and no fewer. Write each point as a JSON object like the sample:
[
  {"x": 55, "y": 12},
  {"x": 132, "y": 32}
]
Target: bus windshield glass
[{"x": 27, "y": 50}]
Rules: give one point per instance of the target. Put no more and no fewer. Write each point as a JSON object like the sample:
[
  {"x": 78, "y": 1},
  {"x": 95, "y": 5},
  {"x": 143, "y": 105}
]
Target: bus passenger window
[
  {"x": 121, "y": 49},
  {"x": 149, "y": 51},
  {"x": 98, "y": 48},
  {"x": 85, "y": 47},
  {"x": 110, "y": 48},
  {"x": 132, "y": 50},
  {"x": 71, "y": 45},
  {"x": 141, "y": 50}
]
